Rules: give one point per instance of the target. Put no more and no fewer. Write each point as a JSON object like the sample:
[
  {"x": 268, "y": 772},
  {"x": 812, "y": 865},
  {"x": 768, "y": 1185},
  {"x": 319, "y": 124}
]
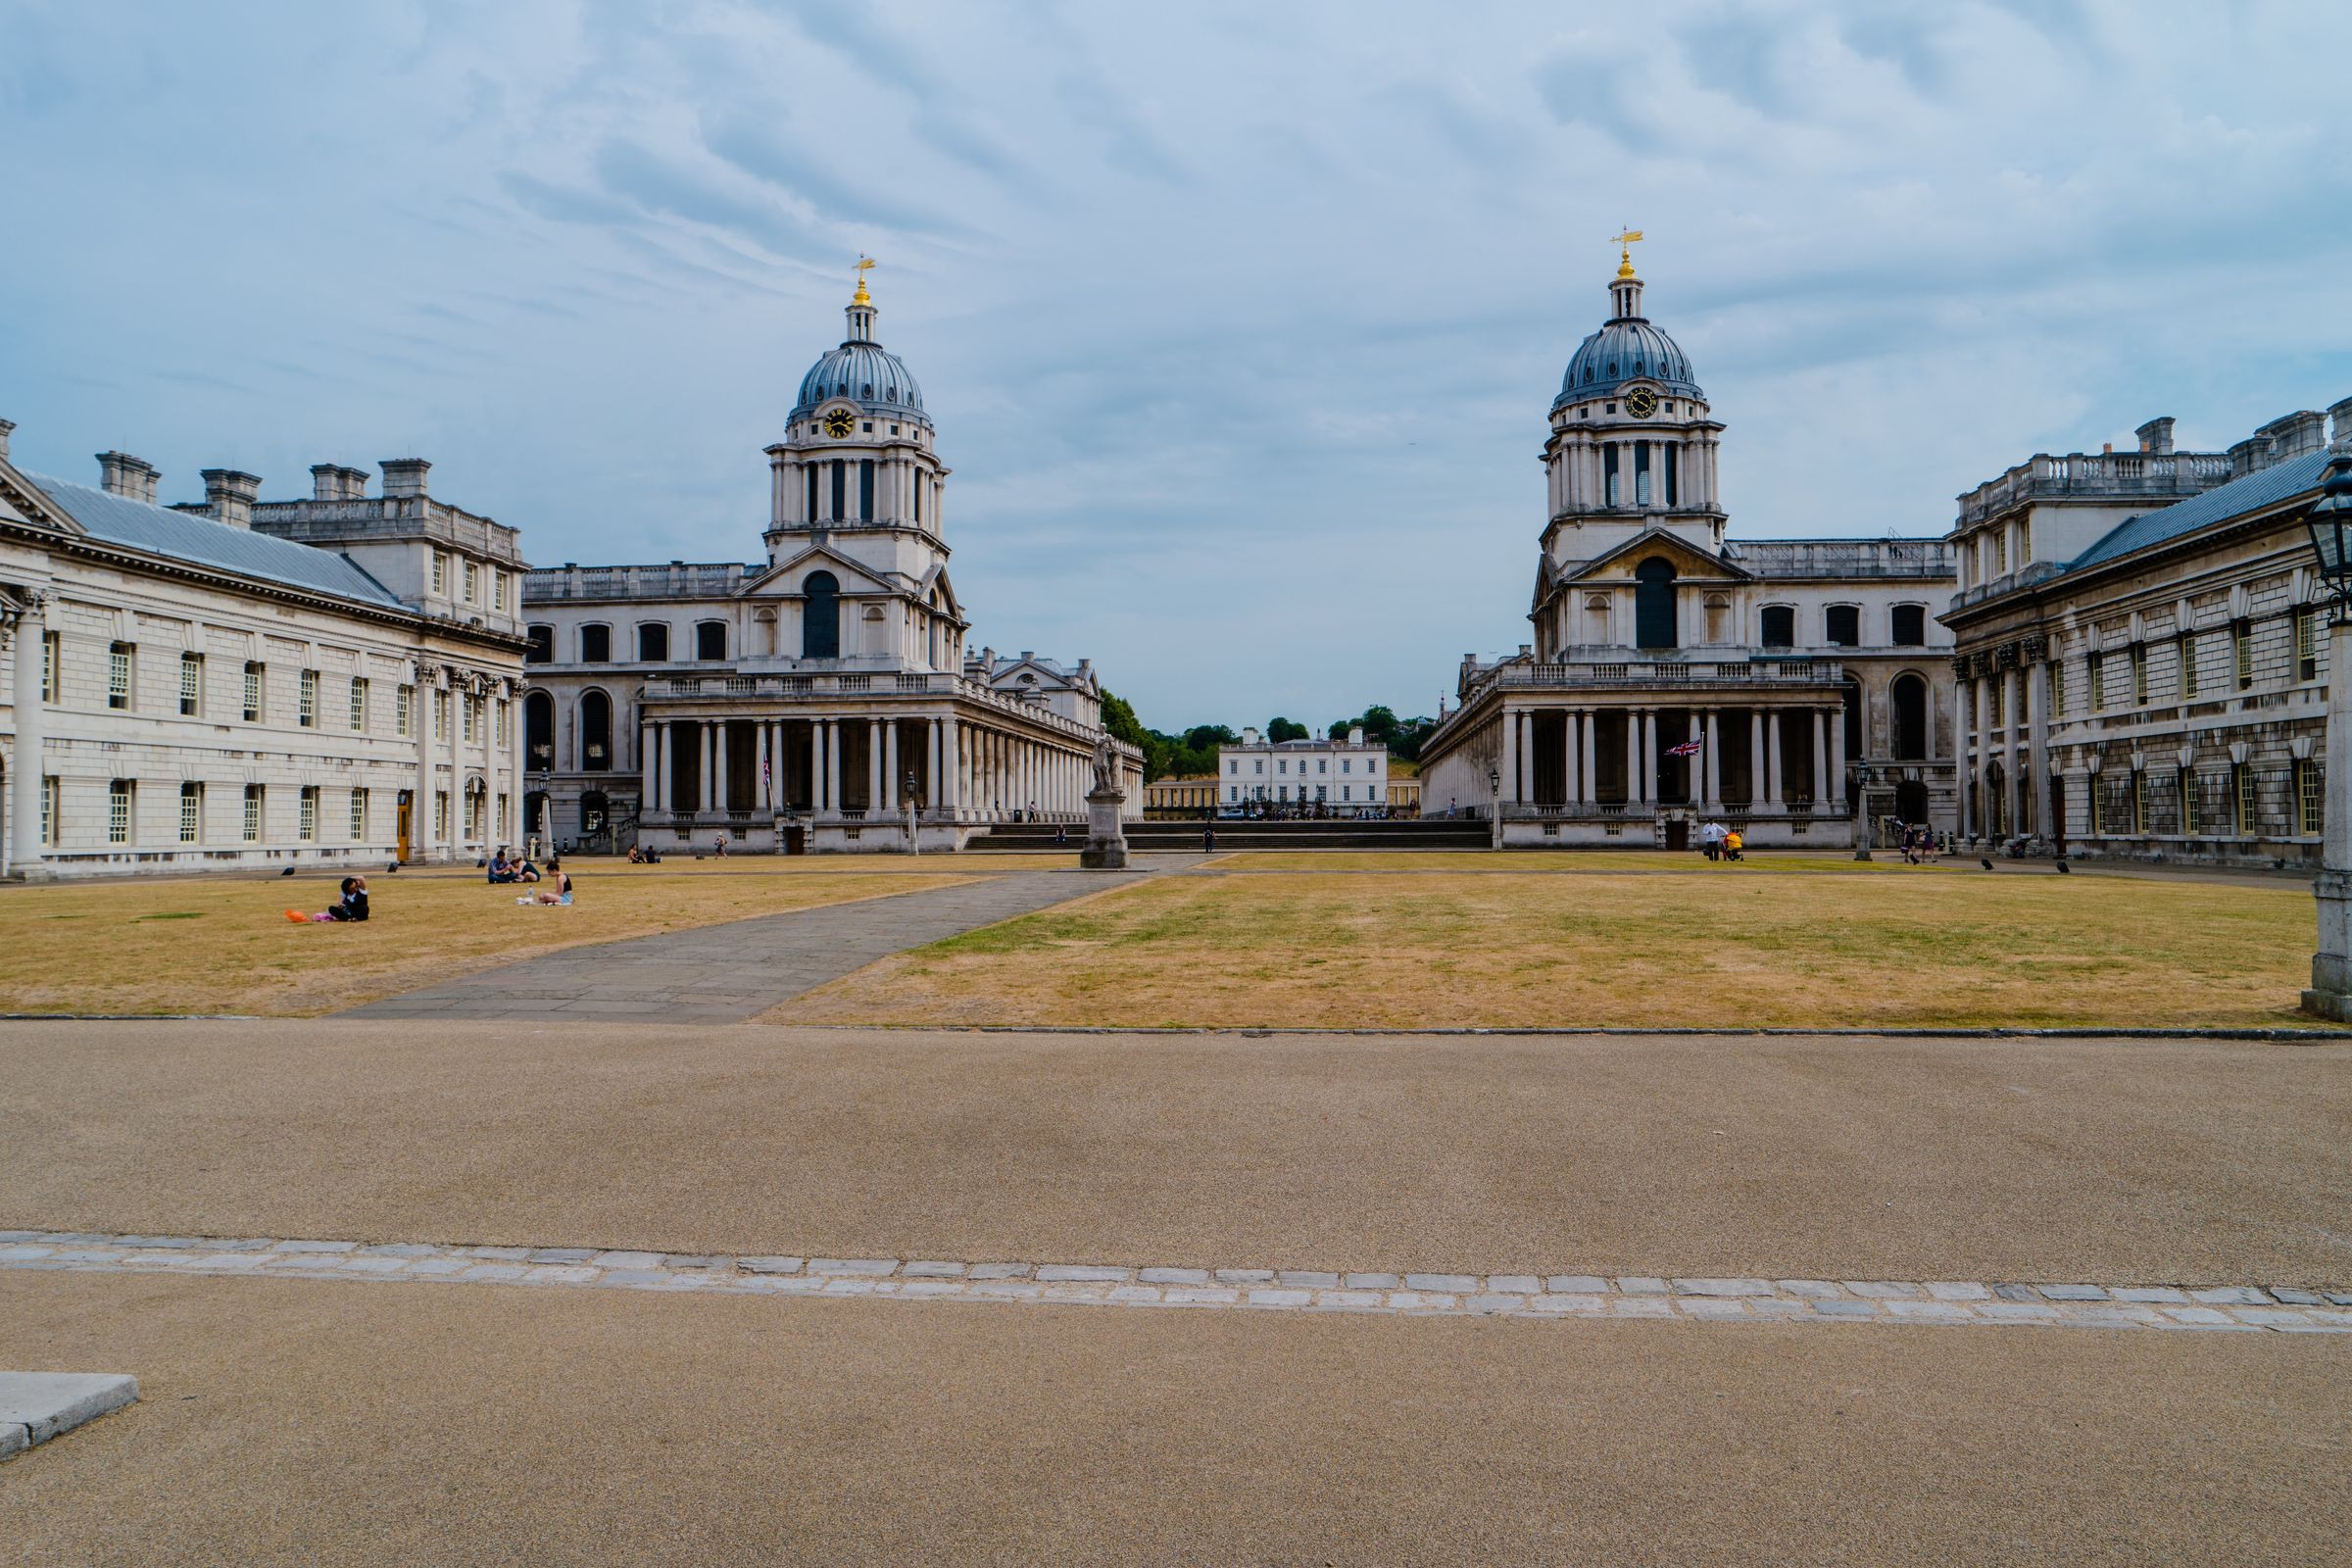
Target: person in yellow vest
[{"x": 1732, "y": 843}]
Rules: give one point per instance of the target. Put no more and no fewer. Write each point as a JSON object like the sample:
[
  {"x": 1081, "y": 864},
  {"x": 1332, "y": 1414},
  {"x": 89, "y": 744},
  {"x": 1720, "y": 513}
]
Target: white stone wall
[{"x": 1350, "y": 776}]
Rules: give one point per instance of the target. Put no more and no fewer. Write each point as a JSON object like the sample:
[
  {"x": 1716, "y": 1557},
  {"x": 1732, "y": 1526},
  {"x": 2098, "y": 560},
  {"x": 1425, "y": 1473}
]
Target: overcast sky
[{"x": 1239, "y": 324}]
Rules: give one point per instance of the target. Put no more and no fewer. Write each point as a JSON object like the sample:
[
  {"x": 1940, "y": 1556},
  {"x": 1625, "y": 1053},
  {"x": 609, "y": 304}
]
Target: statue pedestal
[{"x": 1106, "y": 840}]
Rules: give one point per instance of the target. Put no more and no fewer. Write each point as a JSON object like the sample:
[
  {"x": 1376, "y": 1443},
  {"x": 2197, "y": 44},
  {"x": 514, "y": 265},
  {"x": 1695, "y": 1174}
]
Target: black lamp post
[
  {"x": 2330, "y": 523},
  {"x": 1494, "y": 793}
]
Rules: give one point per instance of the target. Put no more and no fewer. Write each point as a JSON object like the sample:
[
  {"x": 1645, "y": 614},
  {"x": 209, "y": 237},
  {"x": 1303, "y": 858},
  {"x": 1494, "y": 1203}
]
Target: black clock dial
[
  {"x": 1641, "y": 403},
  {"x": 839, "y": 423}
]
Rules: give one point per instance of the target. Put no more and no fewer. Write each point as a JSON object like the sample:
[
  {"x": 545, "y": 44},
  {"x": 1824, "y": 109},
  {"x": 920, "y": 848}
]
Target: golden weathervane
[
  {"x": 1625, "y": 242},
  {"x": 865, "y": 263}
]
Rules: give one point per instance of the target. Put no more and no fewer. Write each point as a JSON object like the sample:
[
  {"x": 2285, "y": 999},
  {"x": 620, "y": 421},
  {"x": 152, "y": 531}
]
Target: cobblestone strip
[{"x": 2228, "y": 1308}]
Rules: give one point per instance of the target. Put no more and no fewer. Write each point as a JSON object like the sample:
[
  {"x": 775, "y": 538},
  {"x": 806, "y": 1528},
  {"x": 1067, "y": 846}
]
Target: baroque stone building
[
  {"x": 2141, "y": 659},
  {"x": 1675, "y": 671},
  {"x": 807, "y": 700},
  {"x": 238, "y": 682}
]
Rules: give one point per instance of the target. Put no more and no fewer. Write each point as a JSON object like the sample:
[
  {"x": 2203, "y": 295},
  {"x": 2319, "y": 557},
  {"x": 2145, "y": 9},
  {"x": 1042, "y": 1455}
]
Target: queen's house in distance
[
  {"x": 1675, "y": 673},
  {"x": 327, "y": 680},
  {"x": 2140, "y": 648},
  {"x": 819, "y": 698}
]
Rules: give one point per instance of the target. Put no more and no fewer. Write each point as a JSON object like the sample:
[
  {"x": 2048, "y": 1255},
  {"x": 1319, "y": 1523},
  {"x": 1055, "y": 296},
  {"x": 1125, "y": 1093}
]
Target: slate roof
[
  {"x": 2264, "y": 487},
  {"x": 161, "y": 531}
]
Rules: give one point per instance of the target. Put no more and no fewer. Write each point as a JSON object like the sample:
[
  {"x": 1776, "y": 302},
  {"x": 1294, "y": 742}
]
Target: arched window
[
  {"x": 1910, "y": 625},
  {"x": 1780, "y": 627},
  {"x": 1908, "y": 700},
  {"x": 1843, "y": 627},
  {"x": 539, "y": 731},
  {"x": 542, "y": 650},
  {"x": 711, "y": 640},
  {"x": 595, "y": 645},
  {"x": 1853, "y": 723},
  {"x": 1653, "y": 604},
  {"x": 820, "y": 616},
  {"x": 594, "y": 813},
  {"x": 653, "y": 643},
  {"x": 596, "y": 733}
]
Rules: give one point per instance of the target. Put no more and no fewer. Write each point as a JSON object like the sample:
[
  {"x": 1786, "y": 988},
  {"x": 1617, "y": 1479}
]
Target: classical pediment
[
  {"x": 783, "y": 579},
  {"x": 25, "y": 503},
  {"x": 1689, "y": 560}
]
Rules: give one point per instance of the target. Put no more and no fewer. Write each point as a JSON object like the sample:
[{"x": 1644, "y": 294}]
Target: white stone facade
[
  {"x": 202, "y": 692},
  {"x": 2142, "y": 655},
  {"x": 1342, "y": 777},
  {"x": 806, "y": 702},
  {"x": 1779, "y": 668}
]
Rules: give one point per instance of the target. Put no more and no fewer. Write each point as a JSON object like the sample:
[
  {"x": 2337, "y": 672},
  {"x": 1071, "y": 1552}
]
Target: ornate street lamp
[
  {"x": 2330, "y": 520},
  {"x": 1494, "y": 793},
  {"x": 914, "y": 844},
  {"x": 1863, "y": 779}
]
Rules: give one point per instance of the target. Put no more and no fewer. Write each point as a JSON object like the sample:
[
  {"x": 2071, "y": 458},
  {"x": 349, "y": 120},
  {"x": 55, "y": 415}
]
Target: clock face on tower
[
  {"x": 1641, "y": 403},
  {"x": 839, "y": 423}
]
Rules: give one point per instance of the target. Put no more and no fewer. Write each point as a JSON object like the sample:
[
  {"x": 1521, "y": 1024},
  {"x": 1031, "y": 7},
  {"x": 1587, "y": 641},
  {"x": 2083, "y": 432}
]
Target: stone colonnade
[
  {"x": 967, "y": 771},
  {"x": 2001, "y": 726},
  {"x": 1580, "y": 759}
]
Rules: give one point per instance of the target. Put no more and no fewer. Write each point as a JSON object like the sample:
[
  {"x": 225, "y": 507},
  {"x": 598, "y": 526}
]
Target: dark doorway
[
  {"x": 820, "y": 616},
  {"x": 1911, "y": 800},
  {"x": 1908, "y": 698},
  {"x": 1653, "y": 604}
]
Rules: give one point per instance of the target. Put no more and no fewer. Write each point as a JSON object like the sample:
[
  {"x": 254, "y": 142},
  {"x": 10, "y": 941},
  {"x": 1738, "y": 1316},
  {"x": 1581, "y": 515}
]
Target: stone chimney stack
[
  {"x": 404, "y": 477},
  {"x": 2246, "y": 456},
  {"x": 231, "y": 495},
  {"x": 2338, "y": 413},
  {"x": 131, "y": 478},
  {"x": 2293, "y": 435},
  {"x": 332, "y": 481},
  {"x": 2156, "y": 437},
  {"x": 1356, "y": 734},
  {"x": 6, "y": 425},
  {"x": 1249, "y": 735}
]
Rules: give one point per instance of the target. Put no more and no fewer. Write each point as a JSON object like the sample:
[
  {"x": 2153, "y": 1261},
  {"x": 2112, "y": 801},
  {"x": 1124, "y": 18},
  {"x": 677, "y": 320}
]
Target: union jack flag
[{"x": 1686, "y": 749}]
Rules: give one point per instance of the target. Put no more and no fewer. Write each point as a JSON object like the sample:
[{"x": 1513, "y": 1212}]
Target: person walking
[{"x": 1208, "y": 839}]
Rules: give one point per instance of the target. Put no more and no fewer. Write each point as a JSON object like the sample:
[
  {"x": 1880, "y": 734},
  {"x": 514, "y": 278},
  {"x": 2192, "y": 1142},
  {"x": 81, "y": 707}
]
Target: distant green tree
[{"x": 1283, "y": 729}]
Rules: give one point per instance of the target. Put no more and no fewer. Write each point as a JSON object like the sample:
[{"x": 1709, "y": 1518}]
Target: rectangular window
[
  {"x": 2001, "y": 551},
  {"x": 2244, "y": 794},
  {"x": 191, "y": 684},
  {"x": 2099, "y": 683},
  {"x": 2311, "y": 811},
  {"x": 404, "y": 711},
  {"x": 2140, "y": 802},
  {"x": 474, "y": 583},
  {"x": 191, "y": 813},
  {"x": 498, "y": 588},
  {"x": 440, "y": 714},
  {"x": 497, "y": 819},
  {"x": 118, "y": 675},
  {"x": 2057, "y": 688},
  {"x": 505, "y": 722},
  {"x": 359, "y": 816},
  {"x": 256, "y": 688},
  {"x": 2307, "y": 646},
  {"x": 440, "y": 574},
  {"x": 1996, "y": 694},
  {"x": 117, "y": 810},
  {"x": 49, "y": 809},
  {"x": 2188, "y": 802},
  {"x": 308, "y": 828},
  {"x": 306, "y": 701},
  {"x": 359, "y": 704},
  {"x": 2242, "y": 641},
  {"x": 473, "y": 709},
  {"x": 2025, "y": 541},
  {"x": 441, "y": 815},
  {"x": 253, "y": 812},
  {"x": 595, "y": 645},
  {"x": 2140, "y": 674},
  {"x": 48, "y": 666},
  {"x": 2188, "y": 665},
  {"x": 2096, "y": 826}
]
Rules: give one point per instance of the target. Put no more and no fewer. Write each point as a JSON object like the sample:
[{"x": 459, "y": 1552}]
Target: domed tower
[
  {"x": 1633, "y": 446},
  {"x": 858, "y": 452}
]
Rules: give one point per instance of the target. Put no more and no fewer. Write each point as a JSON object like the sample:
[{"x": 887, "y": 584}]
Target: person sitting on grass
[
  {"x": 523, "y": 869},
  {"x": 502, "y": 869},
  {"x": 352, "y": 907},
  {"x": 559, "y": 891},
  {"x": 1732, "y": 845}
]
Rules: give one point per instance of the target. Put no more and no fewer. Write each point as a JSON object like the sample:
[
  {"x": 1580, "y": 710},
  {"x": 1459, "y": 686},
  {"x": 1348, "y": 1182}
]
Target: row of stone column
[
  {"x": 966, "y": 768},
  {"x": 1642, "y": 761},
  {"x": 2021, "y": 700}
]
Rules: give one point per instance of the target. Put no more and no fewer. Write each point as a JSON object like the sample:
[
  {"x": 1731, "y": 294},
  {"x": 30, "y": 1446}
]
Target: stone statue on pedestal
[{"x": 1105, "y": 838}]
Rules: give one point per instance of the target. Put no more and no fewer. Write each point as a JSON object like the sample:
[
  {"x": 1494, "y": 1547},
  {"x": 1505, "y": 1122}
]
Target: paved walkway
[
  {"x": 727, "y": 973},
  {"x": 1554, "y": 1296}
]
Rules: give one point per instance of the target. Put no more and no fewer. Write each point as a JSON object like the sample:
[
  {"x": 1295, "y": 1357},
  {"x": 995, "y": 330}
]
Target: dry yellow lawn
[
  {"x": 1654, "y": 862},
  {"x": 1753, "y": 944},
  {"x": 201, "y": 945}
]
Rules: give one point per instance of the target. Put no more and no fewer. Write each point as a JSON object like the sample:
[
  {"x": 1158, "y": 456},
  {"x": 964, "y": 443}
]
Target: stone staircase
[{"x": 1422, "y": 833}]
